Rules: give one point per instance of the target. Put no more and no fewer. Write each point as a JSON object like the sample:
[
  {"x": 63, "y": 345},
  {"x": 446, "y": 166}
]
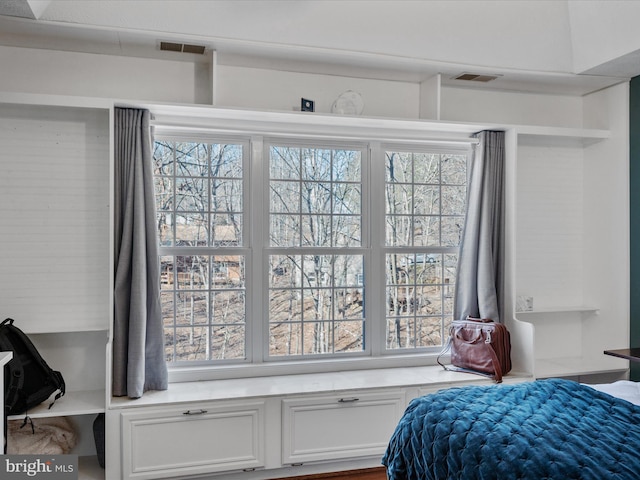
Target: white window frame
[{"x": 375, "y": 355}]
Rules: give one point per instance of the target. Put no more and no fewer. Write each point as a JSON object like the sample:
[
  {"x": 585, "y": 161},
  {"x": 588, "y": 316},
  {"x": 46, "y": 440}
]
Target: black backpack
[{"x": 28, "y": 380}]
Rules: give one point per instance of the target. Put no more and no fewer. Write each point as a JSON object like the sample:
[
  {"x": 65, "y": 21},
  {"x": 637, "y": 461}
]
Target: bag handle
[{"x": 470, "y": 341}]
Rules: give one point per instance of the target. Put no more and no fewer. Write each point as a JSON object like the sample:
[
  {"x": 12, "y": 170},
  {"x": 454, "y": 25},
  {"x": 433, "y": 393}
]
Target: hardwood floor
[{"x": 377, "y": 473}]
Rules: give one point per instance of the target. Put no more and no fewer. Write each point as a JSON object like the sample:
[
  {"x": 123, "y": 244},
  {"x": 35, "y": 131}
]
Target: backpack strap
[{"x": 61, "y": 386}]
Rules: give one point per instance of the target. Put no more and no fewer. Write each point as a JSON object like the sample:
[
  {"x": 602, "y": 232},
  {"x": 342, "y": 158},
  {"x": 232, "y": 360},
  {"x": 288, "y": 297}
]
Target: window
[
  {"x": 316, "y": 258},
  {"x": 338, "y": 251},
  {"x": 425, "y": 205},
  {"x": 199, "y": 191}
]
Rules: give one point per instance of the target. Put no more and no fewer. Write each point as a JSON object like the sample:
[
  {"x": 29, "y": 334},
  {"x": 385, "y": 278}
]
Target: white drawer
[
  {"x": 337, "y": 427},
  {"x": 192, "y": 439}
]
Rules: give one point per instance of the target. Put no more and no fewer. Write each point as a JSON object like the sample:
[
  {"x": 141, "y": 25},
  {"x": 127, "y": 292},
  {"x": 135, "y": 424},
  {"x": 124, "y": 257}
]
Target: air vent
[
  {"x": 474, "y": 77},
  {"x": 182, "y": 47}
]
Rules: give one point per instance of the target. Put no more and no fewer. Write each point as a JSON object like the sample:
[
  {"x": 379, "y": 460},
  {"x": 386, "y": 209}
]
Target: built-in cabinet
[
  {"x": 194, "y": 438},
  {"x": 346, "y": 429},
  {"x": 261, "y": 428},
  {"x": 567, "y": 247},
  {"x": 55, "y": 249}
]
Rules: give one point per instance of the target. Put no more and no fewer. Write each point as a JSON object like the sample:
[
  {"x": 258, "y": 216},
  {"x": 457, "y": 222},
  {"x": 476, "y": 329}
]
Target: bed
[{"x": 546, "y": 429}]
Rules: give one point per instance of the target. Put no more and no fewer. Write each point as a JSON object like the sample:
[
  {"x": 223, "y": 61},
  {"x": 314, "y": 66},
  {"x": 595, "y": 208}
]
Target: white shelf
[
  {"x": 47, "y": 330},
  {"x": 576, "y": 366},
  {"x": 72, "y": 403},
  {"x": 579, "y": 309},
  {"x": 550, "y": 136}
]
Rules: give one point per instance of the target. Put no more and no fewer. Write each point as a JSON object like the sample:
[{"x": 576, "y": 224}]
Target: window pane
[
  {"x": 399, "y": 230},
  {"x": 228, "y": 306},
  {"x": 429, "y": 332},
  {"x": 191, "y": 308},
  {"x": 192, "y": 159},
  {"x": 226, "y": 230},
  {"x": 316, "y": 197},
  {"x": 347, "y": 198},
  {"x": 163, "y": 187},
  {"x": 453, "y": 200},
  {"x": 191, "y": 343},
  {"x": 227, "y": 342},
  {"x": 426, "y": 200},
  {"x": 228, "y": 271},
  {"x": 191, "y": 230},
  {"x": 311, "y": 298},
  {"x": 226, "y": 195},
  {"x": 348, "y": 336},
  {"x": 426, "y": 168},
  {"x": 192, "y": 272},
  {"x": 285, "y": 271},
  {"x": 316, "y": 231},
  {"x": 285, "y": 197},
  {"x": 316, "y": 164},
  {"x": 284, "y": 230},
  {"x": 163, "y": 158},
  {"x": 284, "y": 163},
  {"x": 399, "y": 167},
  {"x": 226, "y": 160},
  {"x": 165, "y": 228},
  {"x": 427, "y": 231},
  {"x": 347, "y": 166},
  {"x": 454, "y": 169},
  {"x": 191, "y": 194},
  {"x": 399, "y": 198},
  {"x": 452, "y": 230},
  {"x": 285, "y": 339}
]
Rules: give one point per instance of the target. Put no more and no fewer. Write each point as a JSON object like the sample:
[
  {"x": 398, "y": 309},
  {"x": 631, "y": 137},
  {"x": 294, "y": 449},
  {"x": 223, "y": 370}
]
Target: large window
[{"x": 337, "y": 251}]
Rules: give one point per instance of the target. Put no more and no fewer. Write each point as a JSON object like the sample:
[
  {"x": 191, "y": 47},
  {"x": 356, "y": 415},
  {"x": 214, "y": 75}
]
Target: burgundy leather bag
[{"x": 479, "y": 346}]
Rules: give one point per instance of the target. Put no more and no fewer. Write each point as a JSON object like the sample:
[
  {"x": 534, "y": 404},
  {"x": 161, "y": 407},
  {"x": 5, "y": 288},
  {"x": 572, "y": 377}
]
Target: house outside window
[{"x": 276, "y": 250}]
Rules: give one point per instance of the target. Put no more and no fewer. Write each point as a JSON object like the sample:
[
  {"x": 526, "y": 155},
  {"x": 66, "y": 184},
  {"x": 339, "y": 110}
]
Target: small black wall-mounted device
[{"x": 307, "y": 105}]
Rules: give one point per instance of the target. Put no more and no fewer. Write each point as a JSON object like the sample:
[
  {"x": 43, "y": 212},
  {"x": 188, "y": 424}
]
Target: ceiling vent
[
  {"x": 474, "y": 77},
  {"x": 182, "y": 47}
]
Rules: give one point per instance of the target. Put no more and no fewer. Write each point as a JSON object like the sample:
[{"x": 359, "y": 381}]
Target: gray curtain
[
  {"x": 479, "y": 282},
  {"x": 138, "y": 346}
]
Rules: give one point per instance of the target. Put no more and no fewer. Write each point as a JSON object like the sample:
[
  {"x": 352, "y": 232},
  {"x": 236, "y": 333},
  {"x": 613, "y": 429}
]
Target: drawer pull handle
[
  {"x": 348, "y": 400},
  {"x": 195, "y": 412}
]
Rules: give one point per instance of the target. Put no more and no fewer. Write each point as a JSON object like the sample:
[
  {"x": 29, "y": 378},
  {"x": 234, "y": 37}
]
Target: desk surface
[{"x": 632, "y": 354}]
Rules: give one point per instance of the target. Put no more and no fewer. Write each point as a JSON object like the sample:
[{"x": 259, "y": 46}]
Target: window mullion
[
  {"x": 257, "y": 238},
  {"x": 375, "y": 274}
]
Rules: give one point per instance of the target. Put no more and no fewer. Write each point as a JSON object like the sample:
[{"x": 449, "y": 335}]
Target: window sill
[{"x": 314, "y": 383}]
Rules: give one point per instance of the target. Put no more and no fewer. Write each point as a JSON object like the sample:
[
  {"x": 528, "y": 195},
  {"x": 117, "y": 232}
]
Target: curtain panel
[
  {"x": 138, "y": 344},
  {"x": 480, "y": 278}
]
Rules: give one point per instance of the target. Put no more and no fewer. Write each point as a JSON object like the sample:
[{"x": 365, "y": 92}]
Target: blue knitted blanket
[{"x": 547, "y": 429}]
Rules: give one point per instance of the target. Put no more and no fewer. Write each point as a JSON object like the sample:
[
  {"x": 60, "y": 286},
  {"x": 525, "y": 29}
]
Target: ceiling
[{"x": 530, "y": 49}]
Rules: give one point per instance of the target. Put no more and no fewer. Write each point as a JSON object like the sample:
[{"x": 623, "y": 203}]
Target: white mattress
[{"x": 624, "y": 389}]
